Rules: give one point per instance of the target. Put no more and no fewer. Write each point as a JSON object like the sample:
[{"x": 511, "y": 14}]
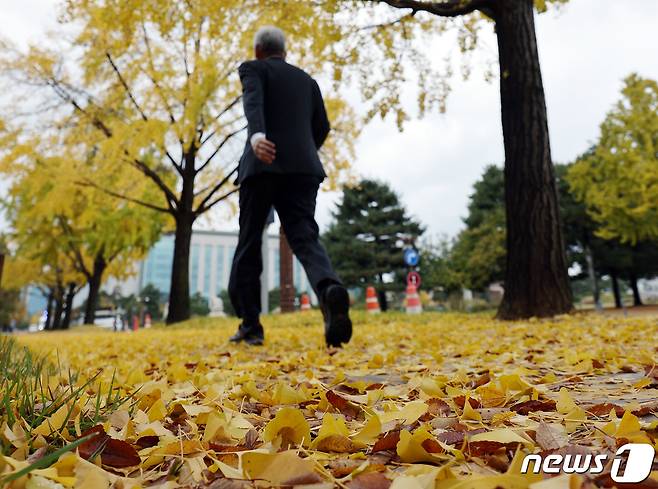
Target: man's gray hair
[{"x": 270, "y": 39}]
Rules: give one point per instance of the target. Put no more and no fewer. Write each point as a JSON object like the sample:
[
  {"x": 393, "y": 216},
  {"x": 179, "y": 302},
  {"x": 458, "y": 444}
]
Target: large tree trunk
[
  {"x": 637, "y": 300},
  {"x": 94, "y": 282},
  {"x": 179, "y": 293},
  {"x": 68, "y": 310},
  {"x": 615, "y": 290},
  {"x": 536, "y": 280}
]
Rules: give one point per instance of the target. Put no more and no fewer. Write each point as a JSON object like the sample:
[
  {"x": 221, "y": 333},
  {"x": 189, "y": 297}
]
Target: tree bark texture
[
  {"x": 536, "y": 279},
  {"x": 94, "y": 282}
]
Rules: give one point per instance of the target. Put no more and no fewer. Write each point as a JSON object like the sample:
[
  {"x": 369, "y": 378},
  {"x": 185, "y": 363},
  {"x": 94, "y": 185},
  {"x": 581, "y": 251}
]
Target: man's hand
[{"x": 264, "y": 149}]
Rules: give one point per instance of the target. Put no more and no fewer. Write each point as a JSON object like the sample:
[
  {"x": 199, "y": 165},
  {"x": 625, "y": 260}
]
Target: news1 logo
[{"x": 638, "y": 463}]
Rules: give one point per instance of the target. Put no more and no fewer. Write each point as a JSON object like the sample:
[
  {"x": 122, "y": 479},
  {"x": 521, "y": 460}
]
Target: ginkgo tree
[
  {"x": 70, "y": 229},
  {"x": 154, "y": 85},
  {"x": 618, "y": 180},
  {"x": 391, "y": 42}
]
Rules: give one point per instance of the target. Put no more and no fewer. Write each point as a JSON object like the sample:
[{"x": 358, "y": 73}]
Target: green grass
[{"x": 27, "y": 395}]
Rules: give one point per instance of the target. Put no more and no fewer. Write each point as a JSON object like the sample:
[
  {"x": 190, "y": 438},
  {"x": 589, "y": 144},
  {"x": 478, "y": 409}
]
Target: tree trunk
[
  {"x": 59, "y": 307},
  {"x": 179, "y": 293},
  {"x": 615, "y": 290},
  {"x": 381, "y": 295},
  {"x": 94, "y": 283},
  {"x": 68, "y": 311},
  {"x": 536, "y": 280},
  {"x": 637, "y": 300},
  {"x": 596, "y": 293},
  {"x": 49, "y": 311}
]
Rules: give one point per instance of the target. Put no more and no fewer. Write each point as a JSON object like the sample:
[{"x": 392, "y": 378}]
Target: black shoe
[
  {"x": 252, "y": 335},
  {"x": 336, "y": 312}
]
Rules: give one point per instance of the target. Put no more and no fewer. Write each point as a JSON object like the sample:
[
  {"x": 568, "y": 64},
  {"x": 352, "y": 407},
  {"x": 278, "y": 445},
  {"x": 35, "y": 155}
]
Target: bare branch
[
  {"x": 125, "y": 86},
  {"x": 67, "y": 97},
  {"x": 389, "y": 24},
  {"x": 204, "y": 205},
  {"x": 226, "y": 139},
  {"x": 209, "y": 206},
  {"x": 159, "y": 90},
  {"x": 217, "y": 117},
  {"x": 450, "y": 8},
  {"x": 78, "y": 260},
  {"x": 144, "y": 168},
  {"x": 89, "y": 183}
]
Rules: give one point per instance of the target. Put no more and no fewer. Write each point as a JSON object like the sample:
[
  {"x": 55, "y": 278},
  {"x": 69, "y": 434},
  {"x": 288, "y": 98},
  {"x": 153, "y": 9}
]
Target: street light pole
[{"x": 286, "y": 278}]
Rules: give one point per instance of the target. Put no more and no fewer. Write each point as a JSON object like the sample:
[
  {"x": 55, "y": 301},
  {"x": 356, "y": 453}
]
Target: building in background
[{"x": 211, "y": 254}]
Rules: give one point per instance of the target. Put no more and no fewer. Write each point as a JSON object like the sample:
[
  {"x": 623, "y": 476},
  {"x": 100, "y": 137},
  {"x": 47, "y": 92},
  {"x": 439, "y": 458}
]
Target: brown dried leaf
[
  {"x": 603, "y": 409},
  {"x": 342, "y": 404},
  {"x": 387, "y": 442},
  {"x": 336, "y": 443},
  {"x": 438, "y": 407},
  {"x": 549, "y": 438},
  {"x": 119, "y": 454},
  {"x": 370, "y": 480},
  {"x": 461, "y": 400},
  {"x": 527, "y": 407},
  {"x": 489, "y": 447},
  {"x": 451, "y": 437}
]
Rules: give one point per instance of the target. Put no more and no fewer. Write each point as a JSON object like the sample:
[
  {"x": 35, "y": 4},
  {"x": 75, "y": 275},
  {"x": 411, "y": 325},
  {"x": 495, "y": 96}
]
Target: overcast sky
[{"x": 586, "y": 50}]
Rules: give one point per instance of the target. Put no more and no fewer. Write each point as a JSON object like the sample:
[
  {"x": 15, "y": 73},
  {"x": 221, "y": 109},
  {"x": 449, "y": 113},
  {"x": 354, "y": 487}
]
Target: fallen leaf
[
  {"x": 387, "y": 442},
  {"x": 551, "y": 437},
  {"x": 370, "y": 480}
]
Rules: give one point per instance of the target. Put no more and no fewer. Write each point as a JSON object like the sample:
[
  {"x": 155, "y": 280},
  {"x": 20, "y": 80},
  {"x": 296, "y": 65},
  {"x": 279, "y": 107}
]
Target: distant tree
[
  {"x": 199, "y": 305},
  {"x": 437, "y": 268},
  {"x": 369, "y": 232},
  {"x": 153, "y": 300},
  {"x": 479, "y": 252},
  {"x": 488, "y": 196},
  {"x": 55, "y": 218},
  {"x": 9, "y": 305},
  {"x": 618, "y": 180}
]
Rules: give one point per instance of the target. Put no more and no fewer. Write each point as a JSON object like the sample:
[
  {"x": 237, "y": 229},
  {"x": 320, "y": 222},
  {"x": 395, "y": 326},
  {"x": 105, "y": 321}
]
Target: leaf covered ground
[{"x": 435, "y": 400}]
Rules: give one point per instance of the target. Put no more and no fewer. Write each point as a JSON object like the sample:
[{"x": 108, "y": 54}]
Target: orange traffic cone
[
  {"x": 147, "y": 320},
  {"x": 306, "y": 303},
  {"x": 413, "y": 300},
  {"x": 372, "y": 304}
]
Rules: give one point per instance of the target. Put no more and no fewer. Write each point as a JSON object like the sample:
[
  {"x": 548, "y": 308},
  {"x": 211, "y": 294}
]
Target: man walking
[{"x": 280, "y": 168}]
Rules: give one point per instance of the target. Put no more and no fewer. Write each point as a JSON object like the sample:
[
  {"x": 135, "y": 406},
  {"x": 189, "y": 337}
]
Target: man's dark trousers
[{"x": 293, "y": 197}]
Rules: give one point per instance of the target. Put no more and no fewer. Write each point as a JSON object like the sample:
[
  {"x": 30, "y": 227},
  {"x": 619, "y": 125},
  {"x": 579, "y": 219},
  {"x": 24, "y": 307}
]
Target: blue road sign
[{"x": 411, "y": 257}]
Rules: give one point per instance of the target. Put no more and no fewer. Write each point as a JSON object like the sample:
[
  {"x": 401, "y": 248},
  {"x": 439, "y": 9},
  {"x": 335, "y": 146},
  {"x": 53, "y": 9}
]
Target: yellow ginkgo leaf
[
  {"x": 470, "y": 414},
  {"x": 412, "y": 447},
  {"x": 370, "y": 432},
  {"x": 565, "y": 403},
  {"x": 279, "y": 469},
  {"x": 290, "y": 425}
]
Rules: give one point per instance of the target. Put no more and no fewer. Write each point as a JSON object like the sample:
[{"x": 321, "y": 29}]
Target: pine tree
[{"x": 366, "y": 240}]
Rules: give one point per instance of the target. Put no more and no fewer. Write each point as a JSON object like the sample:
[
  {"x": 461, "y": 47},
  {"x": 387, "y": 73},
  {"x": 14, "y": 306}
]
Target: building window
[
  {"x": 207, "y": 268},
  {"x": 220, "y": 283},
  {"x": 158, "y": 264}
]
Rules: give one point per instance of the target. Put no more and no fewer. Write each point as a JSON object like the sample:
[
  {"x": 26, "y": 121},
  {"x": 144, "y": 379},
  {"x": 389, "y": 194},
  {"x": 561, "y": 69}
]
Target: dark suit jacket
[{"x": 285, "y": 103}]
